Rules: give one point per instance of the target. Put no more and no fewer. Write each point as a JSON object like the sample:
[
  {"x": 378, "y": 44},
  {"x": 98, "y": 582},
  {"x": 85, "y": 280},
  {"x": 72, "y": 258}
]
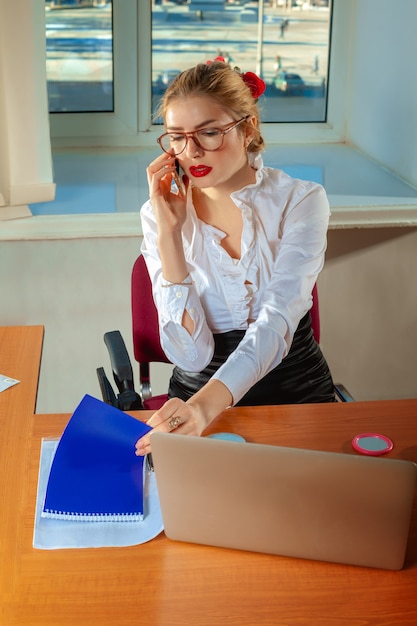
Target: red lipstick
[{"x": 198, "y": 171}]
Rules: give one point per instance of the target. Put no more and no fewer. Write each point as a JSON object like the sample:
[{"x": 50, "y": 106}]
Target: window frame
[
  {"x": 130, "y": 125},
  {"x": 119, "y": 127}
]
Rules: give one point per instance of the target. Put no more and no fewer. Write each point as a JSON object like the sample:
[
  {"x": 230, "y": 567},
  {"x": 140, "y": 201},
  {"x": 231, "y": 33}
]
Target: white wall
[
  {"x": 383, "y": 98},
  {"x": 78, "y": 290},
  {"x": 368, "y": 304},
  {"x": 81, "y": 289}
]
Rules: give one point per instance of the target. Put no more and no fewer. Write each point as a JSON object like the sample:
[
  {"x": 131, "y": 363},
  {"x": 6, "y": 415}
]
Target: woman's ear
[{"x": 250, "y": 131}]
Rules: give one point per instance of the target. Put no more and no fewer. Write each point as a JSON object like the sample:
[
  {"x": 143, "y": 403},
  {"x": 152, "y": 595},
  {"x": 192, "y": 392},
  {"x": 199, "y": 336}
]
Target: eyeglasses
[{"x": 210, "y": 139}]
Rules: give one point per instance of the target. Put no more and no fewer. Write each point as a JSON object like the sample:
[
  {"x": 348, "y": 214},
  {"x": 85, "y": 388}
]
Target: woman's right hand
[
  {"x": 188, "y": 418},
  {"x": 175, "y": 416},
  {"x": 169, "y": 207}
]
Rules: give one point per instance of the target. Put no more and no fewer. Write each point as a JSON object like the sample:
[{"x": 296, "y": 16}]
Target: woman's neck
[{"x": 243, "y": 177}]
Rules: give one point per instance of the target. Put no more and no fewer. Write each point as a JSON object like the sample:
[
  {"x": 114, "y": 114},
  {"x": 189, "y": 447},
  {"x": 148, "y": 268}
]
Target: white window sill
[{"x": 99, "y": 192}]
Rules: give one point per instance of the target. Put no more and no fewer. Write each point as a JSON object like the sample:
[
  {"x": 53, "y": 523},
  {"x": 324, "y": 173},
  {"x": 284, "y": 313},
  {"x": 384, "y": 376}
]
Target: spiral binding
[{"x": 92, "y": 517}]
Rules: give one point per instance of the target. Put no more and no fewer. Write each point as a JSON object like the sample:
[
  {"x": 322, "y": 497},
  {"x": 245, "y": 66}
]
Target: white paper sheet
[
  {"x": 6, "y": 382},
  {"x": 50, "y": 534}
]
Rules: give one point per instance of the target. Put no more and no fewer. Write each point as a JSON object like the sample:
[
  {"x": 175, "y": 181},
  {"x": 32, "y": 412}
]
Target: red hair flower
[
  {"x": 256, "y": 85},
  {"x": 216, "y": 59}
]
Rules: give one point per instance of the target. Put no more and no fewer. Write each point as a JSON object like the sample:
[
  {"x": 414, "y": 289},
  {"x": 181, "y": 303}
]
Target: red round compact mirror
[{"x": 372, "y": 444}]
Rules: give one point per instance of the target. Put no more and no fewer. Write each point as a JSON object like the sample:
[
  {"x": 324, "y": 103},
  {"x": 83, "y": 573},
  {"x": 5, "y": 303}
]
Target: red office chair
[
  {"x": 147, "y": 348},
  {"x": 146, "y": 344}
]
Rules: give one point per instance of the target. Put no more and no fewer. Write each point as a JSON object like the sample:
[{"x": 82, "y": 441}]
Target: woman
[{"x": 233, "y": 258}]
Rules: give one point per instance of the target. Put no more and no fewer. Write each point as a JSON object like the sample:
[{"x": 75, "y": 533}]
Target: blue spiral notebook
[{"x": 95, "y": 474}]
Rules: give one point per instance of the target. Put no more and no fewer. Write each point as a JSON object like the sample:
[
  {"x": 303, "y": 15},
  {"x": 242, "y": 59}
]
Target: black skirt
[{"x": 303, "y": 376}]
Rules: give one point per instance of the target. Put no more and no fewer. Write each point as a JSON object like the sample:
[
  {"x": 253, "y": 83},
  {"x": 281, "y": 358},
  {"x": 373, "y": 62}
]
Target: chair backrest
[
  {"x": 145, "y": 328},
  {"x": 146, "y": 342}
]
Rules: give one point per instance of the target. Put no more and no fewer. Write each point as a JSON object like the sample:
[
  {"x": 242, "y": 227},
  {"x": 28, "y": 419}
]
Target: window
[
  {"x": 285, "y": 42},
  {"x": 79, "y": 61},
  {"x": 85, "y": 124}
]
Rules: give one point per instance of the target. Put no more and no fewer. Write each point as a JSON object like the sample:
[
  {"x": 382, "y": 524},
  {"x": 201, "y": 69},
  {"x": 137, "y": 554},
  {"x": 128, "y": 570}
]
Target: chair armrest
[
  {"x": 342, "y": 393},
  {"x": 127, "y": 399},
  {"x": 106, "y": 389},
  {"x": 120, "y": 361}
]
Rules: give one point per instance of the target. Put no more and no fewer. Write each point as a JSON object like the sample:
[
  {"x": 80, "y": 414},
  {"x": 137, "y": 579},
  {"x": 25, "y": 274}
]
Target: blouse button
[{"x": 178, "y": 294}]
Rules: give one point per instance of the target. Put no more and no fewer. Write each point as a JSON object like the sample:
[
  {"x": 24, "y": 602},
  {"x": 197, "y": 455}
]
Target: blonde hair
[{"x": 224, "y": 85}]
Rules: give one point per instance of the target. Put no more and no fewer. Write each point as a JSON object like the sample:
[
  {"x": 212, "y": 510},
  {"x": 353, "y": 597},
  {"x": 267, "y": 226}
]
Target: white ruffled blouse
[{"x": 266, "y": 292}]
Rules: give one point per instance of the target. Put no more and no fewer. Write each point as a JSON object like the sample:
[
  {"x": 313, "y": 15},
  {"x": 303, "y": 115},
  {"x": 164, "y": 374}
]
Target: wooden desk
[
  {"x": 20, "y": 357},
  {"x": 20, "y": 354},
  {"x": 169, "y": 583}
]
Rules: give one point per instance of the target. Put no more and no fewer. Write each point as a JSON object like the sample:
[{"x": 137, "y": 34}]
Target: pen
[{"x": 149, "y": 462}]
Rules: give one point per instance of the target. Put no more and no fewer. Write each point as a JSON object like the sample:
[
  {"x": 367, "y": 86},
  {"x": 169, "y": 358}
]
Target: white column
[{"x": 25, "y": 149}]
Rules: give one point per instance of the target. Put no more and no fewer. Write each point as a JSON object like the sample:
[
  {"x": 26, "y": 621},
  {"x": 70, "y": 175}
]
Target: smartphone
[{"x": 178, "y": 181}]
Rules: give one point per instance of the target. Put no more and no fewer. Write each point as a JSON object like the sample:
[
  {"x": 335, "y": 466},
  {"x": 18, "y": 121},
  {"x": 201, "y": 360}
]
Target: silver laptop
[{"x": 341, "y": 508}]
